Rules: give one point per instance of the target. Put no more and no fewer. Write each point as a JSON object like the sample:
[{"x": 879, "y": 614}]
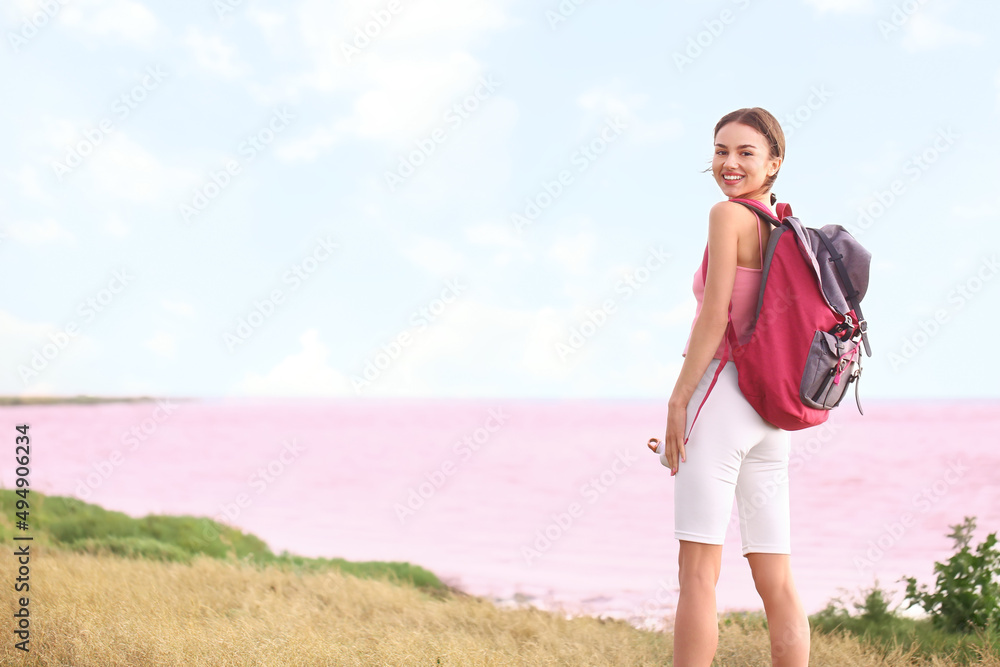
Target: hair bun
[{"x": 774, "y": 199}]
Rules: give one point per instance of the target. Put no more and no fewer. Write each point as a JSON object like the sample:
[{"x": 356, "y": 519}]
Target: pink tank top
[{"x": 746, "y": 289}]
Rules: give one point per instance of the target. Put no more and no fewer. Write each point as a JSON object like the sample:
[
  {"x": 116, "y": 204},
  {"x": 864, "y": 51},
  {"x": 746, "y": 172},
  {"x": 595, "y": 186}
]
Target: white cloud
[
  {"x": 402, "y": 82},
  {"x": 34, "y": 233},
  {"x": 494, "y": 341},
  {"x": 843, "y": 6},
  {"x": 20, "y": 9},
  {"x": 122, "y": 169},
  {"x": 419, "y": 32},
  {"x": 162, "y": 343},
  {"x": 996, "y": 81},
  {"x": 509, "y": 345},
  {"x": 405, "y": 100},
  {"x": 575, "y": 253},
  {"x": 493, "y": 234},
  {"x": 310, "y": 147},
  {"x": 641, "y": 337},
  {"x": 987, "y": 209},
  {"x": 20, "y": 335},
  {"x": 273, "y": 24},
  {"x": 181, "y": 308},
  {"x": 923, "y": 32},
  {"x": 115, "y": 226},
  {"x": 501, "y": 237},
  {"x": 604, "y": 103},
  {"x": 212, "y": 54},
  {"x": 434, "y": 256},
  {"x": 23, "y": 342},
  {"x": 129, "y": 21},
  {"x": 117, "y": 166},
  {"x": 304, "y": 373},
  {"x": 27, "y": 179}
]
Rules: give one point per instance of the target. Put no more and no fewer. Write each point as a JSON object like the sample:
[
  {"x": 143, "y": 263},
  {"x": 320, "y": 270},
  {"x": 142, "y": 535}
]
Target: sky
[{"x": 470, "y": 198}]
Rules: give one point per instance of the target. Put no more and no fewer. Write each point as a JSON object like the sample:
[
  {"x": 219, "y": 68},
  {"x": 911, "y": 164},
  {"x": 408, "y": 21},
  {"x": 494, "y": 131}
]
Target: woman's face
[{"x": 741, "y": 163}]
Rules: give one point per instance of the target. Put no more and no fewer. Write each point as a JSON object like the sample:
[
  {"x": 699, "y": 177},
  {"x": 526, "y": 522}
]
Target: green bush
[
  {"x": 872, "y": 616},
  {"x": 967, "y": 591}
]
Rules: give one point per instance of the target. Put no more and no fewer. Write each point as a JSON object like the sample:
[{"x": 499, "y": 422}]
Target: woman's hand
[{"x": 674, "y": 438}]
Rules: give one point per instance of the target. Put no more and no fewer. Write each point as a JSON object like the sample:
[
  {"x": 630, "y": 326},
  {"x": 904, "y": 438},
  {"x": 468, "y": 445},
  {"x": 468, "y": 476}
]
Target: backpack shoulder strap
[
  {"x": 718, "y": 371},
  {"x": 755, "y": 206}
]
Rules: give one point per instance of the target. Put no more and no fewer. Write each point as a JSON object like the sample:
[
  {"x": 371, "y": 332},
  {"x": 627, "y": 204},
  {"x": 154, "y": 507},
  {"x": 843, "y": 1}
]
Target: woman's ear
[{"x": 775, "y": 166}]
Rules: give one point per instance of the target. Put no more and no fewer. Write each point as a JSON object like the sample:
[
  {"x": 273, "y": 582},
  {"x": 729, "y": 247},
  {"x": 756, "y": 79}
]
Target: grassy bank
[
  {"x": 69, "y": 524},
  {"x": 110, "y": 590},
  {"x": 109, "y": 611}
]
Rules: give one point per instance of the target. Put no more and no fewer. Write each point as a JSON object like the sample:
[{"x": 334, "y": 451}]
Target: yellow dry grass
[{"x": 108, "y": 611}]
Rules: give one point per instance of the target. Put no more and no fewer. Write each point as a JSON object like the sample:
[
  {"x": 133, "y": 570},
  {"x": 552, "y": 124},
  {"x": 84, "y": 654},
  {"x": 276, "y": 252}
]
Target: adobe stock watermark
[
  {"x": 921, "y": 503},
  {"x": 562, "y": 12},
  {"x": 225, "y": 7},
  {"x": 457, "y": 113},
  {"x": 958, "y": 297},
  {"x": 901, "y": 13},
  {"x": 700, "y": 42},
  {"x": 368, "y": 31},
  {"x": 260, "y": 480},
  {"x": 219, "y": 180},
  {"x": 913, "y": 169},
  {"x": 133, "y": 438},
  {"x": 88, "y": 310},
  {"x": 796, "y": 119},
  {"x": 465, "y": 448},
  {"x": 121, "y": 108},
  {"x": 629, "y": 284},
  {"x": 585, "y": 155},
  {"x": 821, "y": 436},
  {"x": 562, "y": 522},
  {"x": 264, "y": 308},
  {"x": 421, "y": 318},
  {"x": 32, "y": 24},
  {"x": 660, "y": 602}
]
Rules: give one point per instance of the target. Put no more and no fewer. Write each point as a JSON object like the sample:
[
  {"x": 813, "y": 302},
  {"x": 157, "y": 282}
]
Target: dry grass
[{"x": 90, "y": 610}]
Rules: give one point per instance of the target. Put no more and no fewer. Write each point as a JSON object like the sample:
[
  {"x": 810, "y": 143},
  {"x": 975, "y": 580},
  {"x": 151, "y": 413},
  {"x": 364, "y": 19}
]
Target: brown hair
[{"x": 762, "y": 121}]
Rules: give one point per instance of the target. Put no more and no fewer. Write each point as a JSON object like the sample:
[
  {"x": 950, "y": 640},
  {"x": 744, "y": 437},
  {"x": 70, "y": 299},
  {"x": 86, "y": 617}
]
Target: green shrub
[
  {"x": 872, "y": 615},
  {"x": 967, "y": 591}
]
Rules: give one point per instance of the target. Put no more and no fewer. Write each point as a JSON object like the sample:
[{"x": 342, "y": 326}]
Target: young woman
[{"x": 732, "y": 451}]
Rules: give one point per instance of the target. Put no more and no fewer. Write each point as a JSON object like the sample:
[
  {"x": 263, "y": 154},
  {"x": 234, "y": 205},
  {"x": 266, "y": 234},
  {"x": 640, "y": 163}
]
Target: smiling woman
[{"x": 735, "y": 453}]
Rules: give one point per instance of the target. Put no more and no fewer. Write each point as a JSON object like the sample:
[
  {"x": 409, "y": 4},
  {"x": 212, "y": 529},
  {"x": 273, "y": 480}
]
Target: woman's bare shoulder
[
  {"x": 728, "y": 208},
  {"x": 728, "y": 215}
]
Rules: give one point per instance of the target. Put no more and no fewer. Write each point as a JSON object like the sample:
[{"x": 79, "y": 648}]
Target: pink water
[{"x": 872, "y": 495}]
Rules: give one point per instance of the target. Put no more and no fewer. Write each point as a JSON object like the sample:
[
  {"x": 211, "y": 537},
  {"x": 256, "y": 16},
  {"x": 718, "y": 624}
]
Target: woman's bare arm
[{"x": 724, "y": 222}]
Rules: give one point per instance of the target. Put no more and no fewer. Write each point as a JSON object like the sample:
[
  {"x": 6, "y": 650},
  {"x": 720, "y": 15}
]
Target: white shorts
[{"x": 732, "y": 451}]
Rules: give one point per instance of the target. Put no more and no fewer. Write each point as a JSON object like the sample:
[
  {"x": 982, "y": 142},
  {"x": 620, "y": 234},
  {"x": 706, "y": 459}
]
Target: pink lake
[{"x": 482, "y": 480}]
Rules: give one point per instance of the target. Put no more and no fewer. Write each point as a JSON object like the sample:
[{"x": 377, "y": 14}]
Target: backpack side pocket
[{"x": 828, "y": 372}]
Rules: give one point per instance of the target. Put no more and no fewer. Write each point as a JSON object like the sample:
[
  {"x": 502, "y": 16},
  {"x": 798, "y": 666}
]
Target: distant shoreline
[{"x": 81, "y": 399}]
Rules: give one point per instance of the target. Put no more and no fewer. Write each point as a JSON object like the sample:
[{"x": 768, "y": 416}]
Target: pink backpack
[{"x": 804, "y": 350}]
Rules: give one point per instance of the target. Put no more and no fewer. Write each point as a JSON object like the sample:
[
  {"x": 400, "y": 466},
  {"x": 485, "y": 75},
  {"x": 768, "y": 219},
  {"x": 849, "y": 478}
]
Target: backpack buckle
[
  {"x": 863, "y": 326},
  {"x": 848, "y": 321}
]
